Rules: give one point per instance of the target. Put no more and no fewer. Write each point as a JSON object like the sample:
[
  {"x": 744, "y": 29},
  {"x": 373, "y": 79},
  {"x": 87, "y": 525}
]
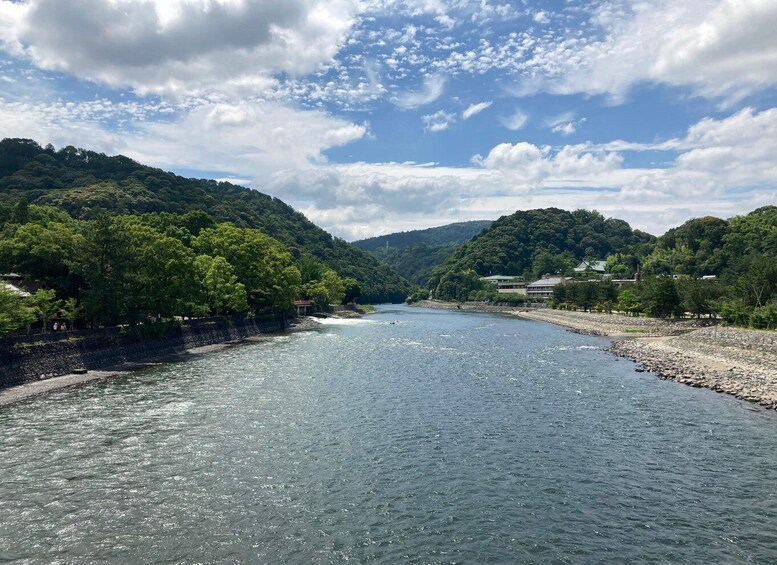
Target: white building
[{"x": 543, "y": 288}]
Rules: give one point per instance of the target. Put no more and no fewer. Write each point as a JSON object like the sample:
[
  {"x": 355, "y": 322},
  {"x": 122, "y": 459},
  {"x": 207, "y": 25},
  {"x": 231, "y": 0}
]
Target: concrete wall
[{"x": 26, "y": 359}]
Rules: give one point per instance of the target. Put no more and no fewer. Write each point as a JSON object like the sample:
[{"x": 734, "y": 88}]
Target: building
[
  {"x": 304, "y": 307},
  {"x": 598, "y": 267},
  {"x": 543, "y": 288},
  {"x": 507, "y": 284},
  {"x": 496, "y": 279},
  {"x": 511, "y": 287}
]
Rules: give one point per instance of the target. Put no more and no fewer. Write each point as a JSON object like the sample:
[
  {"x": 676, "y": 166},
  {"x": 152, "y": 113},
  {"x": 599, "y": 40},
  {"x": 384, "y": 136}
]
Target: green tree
[
  {"x": 72, "y": 311},
  {"x": 224, "y": 293},
  {"x": 699, "y": 296},
  {"x": 628, "y": 301},
  {"x": 15, "y": 313},
  {"x": 352, "y": 290},
  {"x": 261, "y": 263},
  {"x": 45, "y": 306},
  {"x": 104, "y": 261},
  {"x": 659, "y": 296}
]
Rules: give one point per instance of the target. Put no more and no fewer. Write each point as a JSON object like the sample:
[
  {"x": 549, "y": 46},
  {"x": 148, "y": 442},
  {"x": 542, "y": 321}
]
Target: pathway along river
[{"x": 411, "y": 436}]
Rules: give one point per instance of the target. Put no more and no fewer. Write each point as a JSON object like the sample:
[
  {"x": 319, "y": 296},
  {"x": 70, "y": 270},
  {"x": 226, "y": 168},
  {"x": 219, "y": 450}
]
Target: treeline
[
  {"x": 128, "y": 269},
  {"x": 86, "y": 184},
  {"x": 740, "y": 253},
  {"x": 751, "y": 301}
]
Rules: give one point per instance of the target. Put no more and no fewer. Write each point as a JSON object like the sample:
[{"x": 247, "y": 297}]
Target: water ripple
[{"x": 409, "y": 437}]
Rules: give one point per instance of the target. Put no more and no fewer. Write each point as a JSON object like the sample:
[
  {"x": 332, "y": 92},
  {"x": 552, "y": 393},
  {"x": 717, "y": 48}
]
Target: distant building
[
  {"x": 592, "y": 266},
  {"x": 304, "y": 307},
  {"x": 511, "y": 287},
  {"x": 496, "y": 279},
  {"x": 543, "y": 288}
]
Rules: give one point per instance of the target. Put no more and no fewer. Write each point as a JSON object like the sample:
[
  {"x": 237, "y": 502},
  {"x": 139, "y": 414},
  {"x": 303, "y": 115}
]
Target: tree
[
  {"x": 329, "y": 290},
  {"x": 45, "y": 306},
  {"x": 104, "y": 261},
  {"x": 659, "y": 296},
  {"x": 261, "y": 263},
  {"x": 352, "y": 290},
  {"x": 699, "y": 296},
  {"x": 71, "y": 311},
  {"x": 628, "y": 301},
  {"x": 15, "y": 313},
  {"x": 220, "y": 285}
]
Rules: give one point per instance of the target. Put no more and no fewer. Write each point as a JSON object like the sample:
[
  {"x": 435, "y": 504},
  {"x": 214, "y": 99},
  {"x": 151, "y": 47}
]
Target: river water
[{"x": 410, "y": 436}]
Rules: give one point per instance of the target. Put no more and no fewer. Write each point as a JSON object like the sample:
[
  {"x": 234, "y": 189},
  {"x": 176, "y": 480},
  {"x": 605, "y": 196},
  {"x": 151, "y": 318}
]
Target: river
[{"x": 410, "y": 436}]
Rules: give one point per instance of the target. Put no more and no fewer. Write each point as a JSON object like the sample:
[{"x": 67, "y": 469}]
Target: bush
[{"x": 764, "y": 318}]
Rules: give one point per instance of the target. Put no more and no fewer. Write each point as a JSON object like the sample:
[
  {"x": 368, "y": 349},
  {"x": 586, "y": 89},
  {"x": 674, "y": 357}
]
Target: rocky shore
[{"x": 734, "y": 361}]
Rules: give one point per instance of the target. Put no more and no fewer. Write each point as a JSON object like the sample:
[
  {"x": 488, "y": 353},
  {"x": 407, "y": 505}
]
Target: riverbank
[
  {"x": 612, "y": 325},
  {"x": 27, "y": 390},
  {"x": 734, "y": 361}
]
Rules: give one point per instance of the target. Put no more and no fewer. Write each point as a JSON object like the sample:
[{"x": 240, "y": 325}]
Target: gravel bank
[
  {"x": 735, "y": 361},
  {"x": 612, "y": 325}
]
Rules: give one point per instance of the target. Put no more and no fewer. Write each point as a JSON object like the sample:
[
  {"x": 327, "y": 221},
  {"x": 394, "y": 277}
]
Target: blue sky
[{"x": 373, "y": 116}]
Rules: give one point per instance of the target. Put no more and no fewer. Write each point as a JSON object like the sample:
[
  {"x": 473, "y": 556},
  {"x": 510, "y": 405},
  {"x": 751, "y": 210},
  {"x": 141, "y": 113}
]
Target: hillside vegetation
[
  {"x": 550, "y": 240},
  {"x": 84, "y": 184},
  {"x": 415, "y": 254}
]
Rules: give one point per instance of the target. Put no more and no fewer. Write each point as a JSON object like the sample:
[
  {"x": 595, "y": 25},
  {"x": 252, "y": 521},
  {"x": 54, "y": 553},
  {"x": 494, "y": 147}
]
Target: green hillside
[
  {"x": 415, "y": 254},
  {"x": 443, "y": 236},
  {"x": 531, "y": 242},
  {"x": 83, "y": 183}
]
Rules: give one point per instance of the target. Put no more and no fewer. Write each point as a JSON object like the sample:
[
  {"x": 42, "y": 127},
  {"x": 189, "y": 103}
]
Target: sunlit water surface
[{"x": 410, "y": 436}]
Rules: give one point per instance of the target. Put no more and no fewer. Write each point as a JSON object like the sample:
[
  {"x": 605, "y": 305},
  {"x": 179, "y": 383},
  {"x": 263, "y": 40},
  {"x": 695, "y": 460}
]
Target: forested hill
[
  {"x": 450, "y": 234},
  {"x": 532, "y": 242},
  {"x": 83, "y": 183},
  {"x": 415, "y": 254},
  {"x": 712, "y": 246}
]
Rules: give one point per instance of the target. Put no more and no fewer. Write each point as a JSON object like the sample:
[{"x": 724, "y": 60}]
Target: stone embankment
[{"x": 39, "y": 364}]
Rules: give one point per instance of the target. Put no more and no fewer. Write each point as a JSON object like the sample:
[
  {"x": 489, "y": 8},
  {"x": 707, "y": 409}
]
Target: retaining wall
[{"x": 30, "y": 358}]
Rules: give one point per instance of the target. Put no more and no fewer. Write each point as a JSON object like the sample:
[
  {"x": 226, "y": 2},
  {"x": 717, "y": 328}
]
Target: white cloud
[
  {"x": 176, "y": 46},
  {"x": 474, "y": 109},
  {"x": 539, "y": 163},
  {"x": 565, "y": 123},
  {"x": 246, "y": 139},
  {"x": 515, "y": 121},
  {"x": 541, "y": 17},
  {"x": 438, "y": 121},
  {"x": 432, "y": 89},
  {"x": 720, "y": 48}
]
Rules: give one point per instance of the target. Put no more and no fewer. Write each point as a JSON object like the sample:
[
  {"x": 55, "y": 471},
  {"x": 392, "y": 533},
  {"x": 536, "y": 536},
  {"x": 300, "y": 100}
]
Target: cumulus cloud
[
  {"x": 717, "y": 157},
  {"x": 175, "y": 46},
  {"x": 540, "y": 163},
  {"x": 474, "y": 109},
  {"x": 438, "y": 121},
  {"x": 432, "y": 89}
]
